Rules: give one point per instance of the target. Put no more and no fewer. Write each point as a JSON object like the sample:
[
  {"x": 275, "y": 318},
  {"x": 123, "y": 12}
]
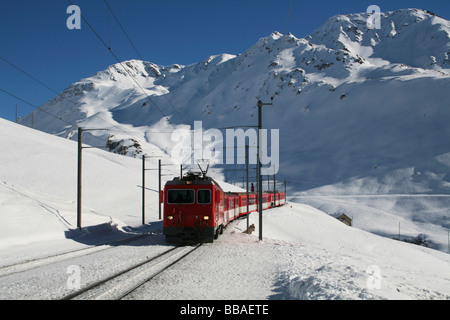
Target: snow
[
  {"x": 363, "y": 118},
  {"x": 39, "y": 184},
  {"x": 305, "y": 253}
]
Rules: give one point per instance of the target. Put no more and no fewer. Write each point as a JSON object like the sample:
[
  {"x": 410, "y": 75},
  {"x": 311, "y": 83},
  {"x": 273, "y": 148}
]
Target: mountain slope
[{"x": 360, "y": 112}]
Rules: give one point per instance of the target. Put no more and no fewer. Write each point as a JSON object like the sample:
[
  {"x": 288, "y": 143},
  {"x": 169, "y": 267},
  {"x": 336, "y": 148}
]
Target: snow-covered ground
[{"x": 305, "y": 253}]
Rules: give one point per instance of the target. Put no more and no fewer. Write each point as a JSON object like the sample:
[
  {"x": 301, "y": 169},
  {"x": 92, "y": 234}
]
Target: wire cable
[
  {"x": 140, "y": 56},
  {"x": 57, "y": 93},
  {"x": 28, "y": 75},
  {"x": 126, "y": 69},
  {"x": 123, "y": 29},
  {"x": 288, "y": 17},
  {"x": 37, "y": 108}
]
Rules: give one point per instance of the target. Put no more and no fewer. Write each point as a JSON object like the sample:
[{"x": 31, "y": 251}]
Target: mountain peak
[
  {"x": 276, "y": 35},
  {"x": 421, "y": 37}
]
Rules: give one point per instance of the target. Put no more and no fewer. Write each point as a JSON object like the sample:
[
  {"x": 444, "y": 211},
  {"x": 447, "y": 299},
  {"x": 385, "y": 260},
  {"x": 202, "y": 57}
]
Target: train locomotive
[{"x": 197, "y": 208}]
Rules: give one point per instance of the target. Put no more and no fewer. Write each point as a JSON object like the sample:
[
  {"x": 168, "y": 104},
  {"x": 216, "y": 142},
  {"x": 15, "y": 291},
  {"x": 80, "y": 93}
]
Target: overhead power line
[
  {"x": 42, "y": 83},
  {"x": 125, "y": 69},
  {"x": 123, "y": 30},
  {"x": 36, "y": 107},
  {"x": 28, "y": 75},
  {"x": 140, "y": 56},
  {"x": 288, "y": 17},
  {"x": 121, "y": 64},
  {"x": 57, "y": 93}
]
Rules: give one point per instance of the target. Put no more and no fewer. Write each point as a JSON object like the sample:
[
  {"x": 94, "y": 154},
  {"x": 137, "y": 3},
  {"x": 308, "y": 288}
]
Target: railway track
[
  {"x": 35, "y": 263},
  {"x": 123, "y": 283}
]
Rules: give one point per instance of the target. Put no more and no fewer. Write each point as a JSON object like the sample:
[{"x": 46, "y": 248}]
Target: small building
[{"x": 345, "y": 219}]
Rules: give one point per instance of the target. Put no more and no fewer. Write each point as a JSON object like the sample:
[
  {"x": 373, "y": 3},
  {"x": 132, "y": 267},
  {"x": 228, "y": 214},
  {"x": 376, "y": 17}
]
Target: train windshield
[
  {"x": 181, "y": 196},
  {"x": 204, "y": 196}
]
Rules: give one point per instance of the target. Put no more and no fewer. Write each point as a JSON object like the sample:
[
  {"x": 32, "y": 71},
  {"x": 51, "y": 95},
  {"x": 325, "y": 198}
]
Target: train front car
[{"x": 190, "y": 209}]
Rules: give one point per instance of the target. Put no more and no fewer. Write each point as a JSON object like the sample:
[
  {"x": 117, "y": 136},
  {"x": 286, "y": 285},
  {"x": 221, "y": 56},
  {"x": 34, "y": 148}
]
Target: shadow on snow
[{"x": 110, "y": 234}]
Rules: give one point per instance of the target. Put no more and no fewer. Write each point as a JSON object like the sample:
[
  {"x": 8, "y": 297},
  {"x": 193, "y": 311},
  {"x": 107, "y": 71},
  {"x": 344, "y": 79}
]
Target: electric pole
[
  {"x": 260, "y": 104},
  {"x": 159, "y": 187},
  {"x": 79, "y": 171},
  {"x": 246, "y": 172},
  {"x": 274, "y": 189},
  {"x": 143, "y": 189},
  {"x": 80, "y": 147}
]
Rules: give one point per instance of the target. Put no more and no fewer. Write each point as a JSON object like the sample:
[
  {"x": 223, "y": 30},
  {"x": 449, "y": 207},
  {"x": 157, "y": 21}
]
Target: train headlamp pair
[{"x": 171, "y": 218}]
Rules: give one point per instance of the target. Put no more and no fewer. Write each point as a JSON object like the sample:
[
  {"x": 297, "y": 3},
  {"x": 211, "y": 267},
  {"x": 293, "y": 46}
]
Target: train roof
[
  {"x": 226, "y": 187},
  {"x": 197, "y": 178}
]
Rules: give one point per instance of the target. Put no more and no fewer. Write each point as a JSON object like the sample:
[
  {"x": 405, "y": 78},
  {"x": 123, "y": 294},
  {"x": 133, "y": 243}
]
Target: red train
[{"x": 197, "y": 208}]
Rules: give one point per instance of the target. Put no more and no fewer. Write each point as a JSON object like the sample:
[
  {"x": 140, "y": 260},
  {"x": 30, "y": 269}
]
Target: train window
[
  {"x": 180, "y": 196},
  {"x": 204, "y": 196}
]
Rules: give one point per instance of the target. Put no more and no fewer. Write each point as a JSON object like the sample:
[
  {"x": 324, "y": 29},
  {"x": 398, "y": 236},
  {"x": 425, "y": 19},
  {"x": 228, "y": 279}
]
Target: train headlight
[
  {"x": 169, "y": 217},
  {"x": 206, "y": 218}
]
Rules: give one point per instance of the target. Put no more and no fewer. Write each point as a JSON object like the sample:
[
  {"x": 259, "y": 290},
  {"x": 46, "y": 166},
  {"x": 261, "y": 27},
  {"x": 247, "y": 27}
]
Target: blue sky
[{"x": 34, "y": 36}]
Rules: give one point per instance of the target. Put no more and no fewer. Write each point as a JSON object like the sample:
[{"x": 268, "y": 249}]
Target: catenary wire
[
  {"x": 36, "y": 107},
  {"x": 126, "y": 70},
  {"x": 123, "y": 30},
  {"x": 140, "y": 57},
  {"x": 59, "y": 93}
]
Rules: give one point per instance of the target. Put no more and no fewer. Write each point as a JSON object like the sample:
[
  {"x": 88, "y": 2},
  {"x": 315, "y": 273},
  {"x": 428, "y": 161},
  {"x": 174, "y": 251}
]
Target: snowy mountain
[{"x": 363, "y": 114}]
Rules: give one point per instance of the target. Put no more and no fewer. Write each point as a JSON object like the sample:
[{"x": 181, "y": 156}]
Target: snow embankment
[
  {"x": 322, "y": 258},
  {"x": 38, "y": 190}
]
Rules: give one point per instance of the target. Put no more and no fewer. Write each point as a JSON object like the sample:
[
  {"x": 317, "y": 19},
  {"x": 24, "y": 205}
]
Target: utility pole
[
  {"x": 80, "y": 147},
  {"x": 143, "y": 189},
  {"x": 260, "y": 104},
  {"x": 274, "y": 190},
  {"x": 79, "y": 171},
  {"x": 246, "y": 172},
  {"x": 257, "y": 175},
  {"x": 159, "y": 187}
]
